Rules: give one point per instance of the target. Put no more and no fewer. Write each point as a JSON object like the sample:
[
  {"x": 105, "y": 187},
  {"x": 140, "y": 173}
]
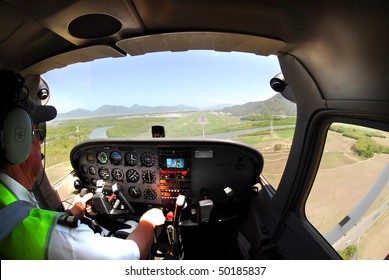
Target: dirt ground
[
  {"x": 275, "y": 161},
  {"x": 374, "y": 243}
]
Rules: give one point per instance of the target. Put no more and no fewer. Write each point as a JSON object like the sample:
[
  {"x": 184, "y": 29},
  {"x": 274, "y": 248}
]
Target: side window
[{"x": 349, "y": 200}]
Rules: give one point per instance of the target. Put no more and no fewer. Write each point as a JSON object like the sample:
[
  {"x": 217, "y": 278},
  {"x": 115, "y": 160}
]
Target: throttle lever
[
  {"x": 170, "y": 234},
  {"x": 180, "y": 204},
  {"x": 175, "y": 250}
]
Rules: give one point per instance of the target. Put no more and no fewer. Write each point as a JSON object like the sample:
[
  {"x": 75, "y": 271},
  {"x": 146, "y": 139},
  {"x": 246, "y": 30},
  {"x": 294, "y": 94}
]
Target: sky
[{"x": 196, "y": 78}]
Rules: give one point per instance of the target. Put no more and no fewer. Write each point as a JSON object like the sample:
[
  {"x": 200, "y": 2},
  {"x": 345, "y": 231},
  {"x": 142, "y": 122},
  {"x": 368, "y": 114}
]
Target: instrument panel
[{"x": 155, "y": 172}]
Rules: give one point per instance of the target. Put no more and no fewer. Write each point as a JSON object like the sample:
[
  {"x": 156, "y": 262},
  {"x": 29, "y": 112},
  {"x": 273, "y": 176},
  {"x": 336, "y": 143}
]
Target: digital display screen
[{"x": 175, "y": 163}]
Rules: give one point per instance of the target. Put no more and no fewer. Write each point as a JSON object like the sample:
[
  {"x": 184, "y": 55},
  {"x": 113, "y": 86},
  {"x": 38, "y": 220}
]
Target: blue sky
[{"x": 195, "y": 78}]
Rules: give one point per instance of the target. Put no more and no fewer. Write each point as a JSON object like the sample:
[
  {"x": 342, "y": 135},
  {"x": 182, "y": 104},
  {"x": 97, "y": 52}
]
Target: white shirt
[{"x": 79, "y": 243}]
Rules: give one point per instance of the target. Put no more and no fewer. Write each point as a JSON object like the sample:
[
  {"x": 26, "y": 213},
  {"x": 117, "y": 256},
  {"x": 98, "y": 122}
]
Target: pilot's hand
[
  {"x": 79, "y": 205},
  {"x": 154, "y": 216},
  {"x": 90, "y": 210}
]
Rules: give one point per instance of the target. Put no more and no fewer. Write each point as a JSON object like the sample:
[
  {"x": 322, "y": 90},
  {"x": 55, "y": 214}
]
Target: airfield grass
[
  {"x": 338, "y": 158},
  {"x": 369, "y": 248},
  {"x": 62, "y": 136}
]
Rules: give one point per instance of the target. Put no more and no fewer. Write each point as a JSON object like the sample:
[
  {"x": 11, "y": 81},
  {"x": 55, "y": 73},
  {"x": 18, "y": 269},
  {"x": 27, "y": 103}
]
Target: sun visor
[
  {"x": 184, "y": 41},
  {"x": 68, "y": 58}
]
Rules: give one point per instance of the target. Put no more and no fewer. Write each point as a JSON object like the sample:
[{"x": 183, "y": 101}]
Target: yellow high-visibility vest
[{"x": 30, "y": 239}]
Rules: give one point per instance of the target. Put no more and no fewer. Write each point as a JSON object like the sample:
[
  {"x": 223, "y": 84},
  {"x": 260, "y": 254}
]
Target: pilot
[{"x": 27, "y": 231}]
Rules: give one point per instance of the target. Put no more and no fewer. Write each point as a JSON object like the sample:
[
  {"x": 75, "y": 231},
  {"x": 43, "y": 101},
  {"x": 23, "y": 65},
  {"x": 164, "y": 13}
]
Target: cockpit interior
[{"x": 301, "y": 172}]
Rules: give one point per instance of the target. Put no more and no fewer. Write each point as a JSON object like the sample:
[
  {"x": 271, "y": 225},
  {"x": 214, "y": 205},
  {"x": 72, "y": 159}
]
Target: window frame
[{"x": 317, "y": 131}]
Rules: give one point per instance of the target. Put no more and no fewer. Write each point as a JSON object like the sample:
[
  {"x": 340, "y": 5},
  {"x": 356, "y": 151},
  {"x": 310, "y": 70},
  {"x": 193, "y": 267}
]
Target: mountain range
[
  {"x": 276, "y": 105},
  {"x": 110, "y": 110}
]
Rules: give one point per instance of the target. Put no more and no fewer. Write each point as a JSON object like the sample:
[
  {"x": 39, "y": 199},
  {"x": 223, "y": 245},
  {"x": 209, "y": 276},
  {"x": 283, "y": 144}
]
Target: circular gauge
[
  {"x": 104, "y": 173},
  {"x": 115, "y": 158},
  {"x": 131, "y": 158},
  {"x": 102, "y": 157},
  {"x": 117, "y": 174},
  {"x": 84, "y": 169},
  {"x": 135, "y": 192},
  {"x": 148, "y": 177},
  {"x": 147, "y": 159},
  {"x": 150, "y": 194},
  {"x": 92, "y": 170},
  {"x": 132, "y": 176},
  {"x": 86, "y": 181}
]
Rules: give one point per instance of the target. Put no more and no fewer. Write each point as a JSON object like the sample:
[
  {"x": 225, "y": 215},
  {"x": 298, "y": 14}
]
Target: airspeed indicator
[{"x": 131, "y": 158}]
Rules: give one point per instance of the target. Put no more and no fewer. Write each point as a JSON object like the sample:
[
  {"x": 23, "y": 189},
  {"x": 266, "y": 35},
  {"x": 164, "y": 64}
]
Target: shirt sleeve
[{"x": 81, "y": 243}]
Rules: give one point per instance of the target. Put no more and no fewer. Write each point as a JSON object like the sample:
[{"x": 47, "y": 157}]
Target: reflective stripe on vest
[{"x": 30, "y": 239}]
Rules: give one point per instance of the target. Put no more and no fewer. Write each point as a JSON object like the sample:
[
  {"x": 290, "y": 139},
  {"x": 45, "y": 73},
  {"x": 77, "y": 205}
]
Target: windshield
[{"x": 195, "y": 94}]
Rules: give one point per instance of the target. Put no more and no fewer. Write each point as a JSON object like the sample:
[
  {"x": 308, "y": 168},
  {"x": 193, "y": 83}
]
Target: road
[
  {"x": 352, "y": 236},
  {"x": 202, "y": 119}
]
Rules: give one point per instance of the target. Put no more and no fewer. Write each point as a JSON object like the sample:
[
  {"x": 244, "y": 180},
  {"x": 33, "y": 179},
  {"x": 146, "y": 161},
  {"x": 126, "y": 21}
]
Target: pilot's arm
[
  {"x": 143, "y": 235},
  {"x": 81, "y": 243}
]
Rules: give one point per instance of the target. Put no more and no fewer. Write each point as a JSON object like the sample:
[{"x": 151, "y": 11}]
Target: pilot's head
[{"x": 22, "y": 112}]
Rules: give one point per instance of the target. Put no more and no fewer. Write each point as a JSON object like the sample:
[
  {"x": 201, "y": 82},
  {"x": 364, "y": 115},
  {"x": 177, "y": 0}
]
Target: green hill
[{"x": 276, "y": 105}]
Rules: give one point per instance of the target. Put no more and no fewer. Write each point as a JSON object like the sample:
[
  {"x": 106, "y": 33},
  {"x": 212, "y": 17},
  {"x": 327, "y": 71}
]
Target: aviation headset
[{"x": 16, "y": 126}]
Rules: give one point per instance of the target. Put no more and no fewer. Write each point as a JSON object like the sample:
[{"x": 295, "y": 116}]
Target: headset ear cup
[{"x": 17, "y": 135}]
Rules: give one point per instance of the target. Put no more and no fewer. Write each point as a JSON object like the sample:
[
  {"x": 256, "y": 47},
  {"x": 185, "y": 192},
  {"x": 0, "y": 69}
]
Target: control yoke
[{"x": 122, "y": 198}]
